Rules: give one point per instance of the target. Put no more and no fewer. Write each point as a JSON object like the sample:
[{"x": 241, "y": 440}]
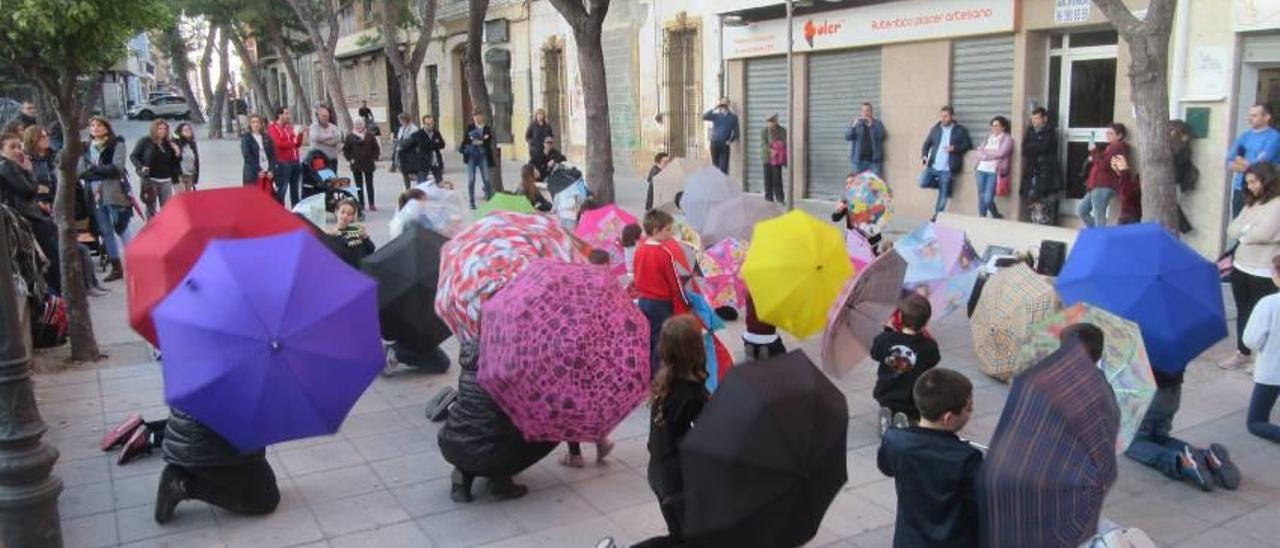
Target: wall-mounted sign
[
  {"x": 1248, "y": 15},
  {"x": 1066, "y": 12},
  {"x": 906, "y": 21}
]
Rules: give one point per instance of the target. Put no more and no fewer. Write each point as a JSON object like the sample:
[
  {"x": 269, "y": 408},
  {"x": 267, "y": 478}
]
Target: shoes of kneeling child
[
  {"x": 1224, "y": 472},
  {"x": 889, "y": 418}
]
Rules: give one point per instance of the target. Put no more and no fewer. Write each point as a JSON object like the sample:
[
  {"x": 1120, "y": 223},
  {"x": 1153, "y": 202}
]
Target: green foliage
[{"x": 71, "y": 38}]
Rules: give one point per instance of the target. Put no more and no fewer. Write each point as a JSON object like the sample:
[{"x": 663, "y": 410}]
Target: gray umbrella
[
  {"x": 737, "y": 216},
  {"x": 704, "y": 189}
]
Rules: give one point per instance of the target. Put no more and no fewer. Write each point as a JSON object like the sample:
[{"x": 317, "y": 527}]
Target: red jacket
[
  {"x": 1129, "y": 191},
  {"x": 655, "y": 275},
  {"x": 287, "y": 142},
  {"x": 1100, "y": 173}
]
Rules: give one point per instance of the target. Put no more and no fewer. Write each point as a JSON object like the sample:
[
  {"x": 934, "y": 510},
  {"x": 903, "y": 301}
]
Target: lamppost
[{"x": 28, "y": 494}]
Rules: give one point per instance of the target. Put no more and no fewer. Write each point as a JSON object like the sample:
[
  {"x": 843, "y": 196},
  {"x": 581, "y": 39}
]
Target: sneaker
[
  {"x": 1191, "y": 469},
  {"x": 137, "y": 446},
  {"x": 886, "y": 419},
  {"x": 389, "y": 368},
  {"x": 120, "y": 434},
  {"x": 900, "y": 421},
  {"x": 172, "y": 490},
  {"x": 505, "y": 489},
  {"x": 572, "y": 461},
  {"x": 1236, "y": 361},
  {"x": 1224, "y": 472}
]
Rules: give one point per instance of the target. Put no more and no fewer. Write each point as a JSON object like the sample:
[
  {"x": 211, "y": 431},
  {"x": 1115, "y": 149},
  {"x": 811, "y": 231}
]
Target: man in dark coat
[
  {"x": 724, "y": 132},
  {"x": 943, "y": 156},
  {"x": 203, "y": 466},
  {"x": 1040, "y": 179},
  {"x": 478, "y": 438}
]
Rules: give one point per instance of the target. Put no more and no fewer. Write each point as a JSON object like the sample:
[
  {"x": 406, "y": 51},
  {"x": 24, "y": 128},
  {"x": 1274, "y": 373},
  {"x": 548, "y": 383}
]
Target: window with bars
[{"x": 683, "y": 55}]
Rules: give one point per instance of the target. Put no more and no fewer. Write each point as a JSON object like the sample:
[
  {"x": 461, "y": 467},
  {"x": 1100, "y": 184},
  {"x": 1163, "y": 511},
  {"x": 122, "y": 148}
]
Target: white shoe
[{"x": 1236, "y": 361}]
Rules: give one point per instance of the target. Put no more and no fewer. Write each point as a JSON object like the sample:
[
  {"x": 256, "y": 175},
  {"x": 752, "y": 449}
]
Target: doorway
[
  {"x": 553, "y": 91},
  {"x": 683, "y": 55},
  {"x": 1082, "y": 99}
]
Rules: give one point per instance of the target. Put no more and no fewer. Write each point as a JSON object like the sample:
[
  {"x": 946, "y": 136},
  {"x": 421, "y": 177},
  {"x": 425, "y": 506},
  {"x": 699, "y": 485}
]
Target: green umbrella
[{"x": 503, "y": 201}]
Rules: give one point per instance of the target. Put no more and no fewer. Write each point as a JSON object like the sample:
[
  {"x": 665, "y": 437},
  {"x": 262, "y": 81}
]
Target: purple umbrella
[{"x": 265, "y": 355}]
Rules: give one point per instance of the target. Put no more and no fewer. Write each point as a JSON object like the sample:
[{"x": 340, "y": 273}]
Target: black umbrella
[
  {"x": 407, "y": 270},
  {"x": 766, "y": 457}
]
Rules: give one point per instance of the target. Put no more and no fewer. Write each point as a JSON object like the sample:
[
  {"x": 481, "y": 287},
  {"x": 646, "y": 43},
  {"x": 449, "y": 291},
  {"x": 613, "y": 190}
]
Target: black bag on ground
[
  {"x": 1053, "y": 255},
  {"x": 562, "y": 177}
]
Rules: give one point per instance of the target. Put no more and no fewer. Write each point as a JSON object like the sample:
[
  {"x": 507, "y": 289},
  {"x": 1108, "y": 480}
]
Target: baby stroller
[{"x": 318, "y": 177}]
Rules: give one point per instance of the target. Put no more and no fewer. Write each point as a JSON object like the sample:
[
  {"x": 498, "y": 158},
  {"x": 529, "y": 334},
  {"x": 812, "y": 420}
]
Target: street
[{"x": 382, "y": 481}]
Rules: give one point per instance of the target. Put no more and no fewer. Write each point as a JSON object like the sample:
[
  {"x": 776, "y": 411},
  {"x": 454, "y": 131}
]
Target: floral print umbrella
[
  {"x": 870, "y": 202},
  {"x": 564, "y": 352},
  {"x": 1124, "y": 360},
  {"x": 601, "y": 228},
  {"x": 487, "y": 255},
  {"x": 941, "y": 265},
  {"x": 722, "y": 269}
]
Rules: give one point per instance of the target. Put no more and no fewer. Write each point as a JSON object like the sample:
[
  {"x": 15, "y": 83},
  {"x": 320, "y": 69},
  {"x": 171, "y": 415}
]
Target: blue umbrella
[
  {"x": 1142, "y": 273},
  {"x": 269, "y": 339}
]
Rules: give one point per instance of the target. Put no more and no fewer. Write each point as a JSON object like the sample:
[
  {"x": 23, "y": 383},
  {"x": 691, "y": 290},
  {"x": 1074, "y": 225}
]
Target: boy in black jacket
[
  {"x": 933, "y": 469},
  {"x": 904, "y": 355}
]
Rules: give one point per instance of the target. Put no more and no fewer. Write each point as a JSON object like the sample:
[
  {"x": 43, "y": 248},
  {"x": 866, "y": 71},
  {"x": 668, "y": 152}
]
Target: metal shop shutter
[
  {"x": 981, "y": 82},
  {"x": 839, "y": 82},
  {"x": 766, "y": 95}
]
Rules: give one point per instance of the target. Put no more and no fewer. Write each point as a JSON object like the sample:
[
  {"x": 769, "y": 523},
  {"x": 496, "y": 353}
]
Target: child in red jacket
[{"x": 656, "y": 281}]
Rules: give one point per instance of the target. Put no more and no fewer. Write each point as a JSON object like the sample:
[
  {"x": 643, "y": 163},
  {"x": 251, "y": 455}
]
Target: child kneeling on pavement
[{"x": 904, "y": 354}]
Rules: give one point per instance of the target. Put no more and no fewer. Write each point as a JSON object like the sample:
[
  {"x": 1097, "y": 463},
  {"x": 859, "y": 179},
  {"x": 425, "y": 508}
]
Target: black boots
[
  {"x": 505, "y": 489},
  {"x": 172, "y": 490},
  {"x": 116, "y": 271},
  {"x": 500, "y": 488},
  {"x": 461, "y": 490}
]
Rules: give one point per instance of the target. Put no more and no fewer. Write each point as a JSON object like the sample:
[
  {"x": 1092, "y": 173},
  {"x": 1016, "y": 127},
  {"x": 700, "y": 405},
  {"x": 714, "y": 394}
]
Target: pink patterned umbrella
[
  {"x": 865, "y": 303},
  {"x": 601, "y": 228},
  {"x": 487, "y": 255},
  {"x": 860, "y": 252},
  {"x": 564, "y": 352},
  {"x": 722, "y": 268}
]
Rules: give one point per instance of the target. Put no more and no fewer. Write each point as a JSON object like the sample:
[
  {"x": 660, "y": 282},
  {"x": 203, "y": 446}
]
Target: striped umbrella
[
  {"x": 1013, "y": 300},
  {"x": 1052, "y": 457}
]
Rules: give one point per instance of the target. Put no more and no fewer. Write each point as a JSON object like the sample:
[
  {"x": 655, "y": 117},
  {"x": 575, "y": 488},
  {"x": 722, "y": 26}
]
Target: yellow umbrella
[{"x": 794, "y": 270}]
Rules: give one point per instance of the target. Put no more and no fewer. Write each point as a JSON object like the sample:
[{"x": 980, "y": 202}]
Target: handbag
[
  {"x": 777, "y": 153},
  {"x": 1003, "y": 185}
]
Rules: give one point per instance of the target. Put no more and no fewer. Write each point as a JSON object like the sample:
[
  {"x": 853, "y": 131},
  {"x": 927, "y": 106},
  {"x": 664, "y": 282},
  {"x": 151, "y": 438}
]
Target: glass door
[{"x": 1082, "y": 99}]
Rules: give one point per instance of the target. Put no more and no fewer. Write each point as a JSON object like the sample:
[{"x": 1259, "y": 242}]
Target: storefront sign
[
  {"x": 1249, "y": 15},
  {"x": 1208, "y": 73},
  {"x": 1071, "y": 11},
  {"x": 906, "y": 21}
]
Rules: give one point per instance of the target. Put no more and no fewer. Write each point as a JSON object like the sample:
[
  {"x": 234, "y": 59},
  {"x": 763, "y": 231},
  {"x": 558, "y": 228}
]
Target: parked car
[
  {"x": 151, "y": 97},
  {"x": 163, "y": 107}
]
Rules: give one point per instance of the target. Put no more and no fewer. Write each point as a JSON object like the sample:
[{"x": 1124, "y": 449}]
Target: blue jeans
[
  {"x": 482, "y": 166},
  {"x": 860, "y": 166},
  {"x": 1094, "y": 206},
  {"x": 941, "y": 180},
  {"x": 987, "y": 194},
  {"x": 657, "y": 313},
  {"x": 109, "y": 217},
  {"x": 1260, "y": 406},
  {"x": 287, "y": 176},
  {"x": 1152, "y": 445}
]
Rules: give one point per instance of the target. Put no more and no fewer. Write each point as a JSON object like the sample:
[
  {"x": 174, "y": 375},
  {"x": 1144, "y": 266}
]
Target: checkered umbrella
[
  {"x": 1052, "y": 457},
  {"x": 859, "y": 313},
  {"x": 487, "y": 255},
  {"x": 1013, "y": 300},
  {"x": 1124, "y": 360}
]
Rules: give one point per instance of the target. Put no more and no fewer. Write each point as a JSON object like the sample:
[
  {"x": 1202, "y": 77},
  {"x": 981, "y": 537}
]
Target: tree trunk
[
  {"x": 253, "y": 73},
  {"x": 220, "y": 91},
  {"x": 84, "y": 344},
  {"x": 181, "y": 69},
  {"x": 206, "y": 60},
  {"x": 476, "y": 83},
  {"x": 325, "y": 46},
  {"x": 406, "y": 70},
  {"x": 286, "y": 58},
  {"x": 587, "y": 30},
  {"x": 1148, "y": 42},
  {"x": 595, "y": 98}
]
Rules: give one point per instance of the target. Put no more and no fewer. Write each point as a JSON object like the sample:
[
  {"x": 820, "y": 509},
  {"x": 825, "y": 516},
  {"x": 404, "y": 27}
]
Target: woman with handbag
[
  {"x": 773, "y": 156},
  {"x": 993, "y": 167},
  {"x": 259, "y": 154},
  {"x": 1257, "y": 228}
]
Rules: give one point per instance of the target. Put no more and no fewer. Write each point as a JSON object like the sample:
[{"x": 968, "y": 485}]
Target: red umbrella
[{"x": 171, "y": 242}]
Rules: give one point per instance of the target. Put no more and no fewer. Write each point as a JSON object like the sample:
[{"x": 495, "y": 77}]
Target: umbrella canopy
[
  {"x": 162, "y": 253},
  {"x": 794, "y": 269},
  {"x": 564, "y": 351},
  {"x": 263, "y": 359},
  {"x": 1124, "y": 360},
  {"x": 860, "y": 312},
  {"x": 870, "y": 202},
  {"x": 766, "y": 456},
  {"x": 671, "y": 179},
  {"x": 704, "y": 189},
  {"x": 601, "y": 228},
  {"x": 445, "y": 209},
  {"x": 505, "y": 201},
  {"x": 1052, "y": 457},
  {"x": 859, "y": 249},
  {"x": 312, "y": 209},
  {"x": 486, "y": 256},
  {"x": 407, "y": 270},
  {"x": 941, "y": 265},
  {"x": 722, "y": 267},
  {"x": 737, "y": 216},
  {"x": 1141, "y": 273},
  {"x": 1013, "y": 300}
]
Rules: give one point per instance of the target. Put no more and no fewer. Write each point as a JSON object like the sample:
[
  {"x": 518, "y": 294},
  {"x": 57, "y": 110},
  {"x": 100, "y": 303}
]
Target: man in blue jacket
[
  {"x": 866, "y": 134},
  {"x": 724, "y": 130},
  {"x": 1259, "y": 143},
  {"x": 943, "y": 156}
]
